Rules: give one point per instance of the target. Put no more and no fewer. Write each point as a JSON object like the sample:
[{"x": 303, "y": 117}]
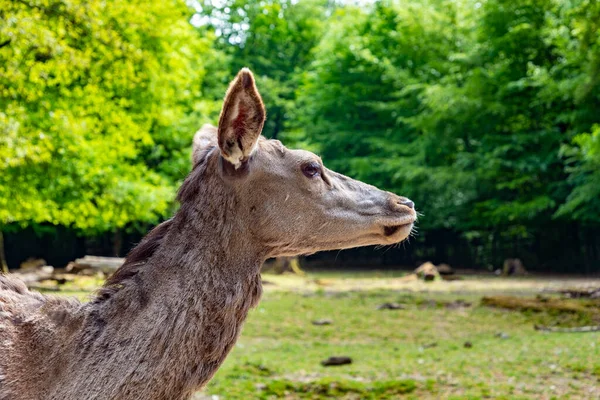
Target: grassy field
[{"x": 442, "y": 344}]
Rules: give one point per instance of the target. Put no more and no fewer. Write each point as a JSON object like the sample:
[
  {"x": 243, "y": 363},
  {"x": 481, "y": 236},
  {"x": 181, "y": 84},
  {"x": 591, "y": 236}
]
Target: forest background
[{"x": 486, "y": 113}]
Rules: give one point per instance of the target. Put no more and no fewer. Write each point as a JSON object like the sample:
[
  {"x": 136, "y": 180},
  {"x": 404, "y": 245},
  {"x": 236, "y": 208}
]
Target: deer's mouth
[
  {"x": 392, "y": 230},
  {"x": 398, "y": 230}
]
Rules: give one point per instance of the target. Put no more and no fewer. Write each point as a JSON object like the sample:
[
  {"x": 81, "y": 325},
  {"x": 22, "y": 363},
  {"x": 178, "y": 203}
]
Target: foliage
[
  {"x": 275, "y": 39},
  {"x": 477, "y": 111},
  {"x": 486, "y": 114},
  {"x": 95, "y": 107},
  {"x": 583, "y": 202},
  {"x": 363, "y": 88}
]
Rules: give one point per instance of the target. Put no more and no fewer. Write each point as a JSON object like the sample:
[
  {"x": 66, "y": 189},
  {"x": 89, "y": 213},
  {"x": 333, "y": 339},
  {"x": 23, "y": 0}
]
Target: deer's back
[
  {"x": 31, "y": 325},
  {"x": 16, "y": 301}
]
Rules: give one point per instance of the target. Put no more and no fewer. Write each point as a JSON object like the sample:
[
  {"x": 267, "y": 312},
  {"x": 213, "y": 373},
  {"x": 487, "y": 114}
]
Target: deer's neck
[{"x": 164, "y": 333}]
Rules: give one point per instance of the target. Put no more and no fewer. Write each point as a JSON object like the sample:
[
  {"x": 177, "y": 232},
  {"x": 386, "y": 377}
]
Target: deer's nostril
[
  {"x": 398, "y": 203},
  {"x": 408, "y": 203}
]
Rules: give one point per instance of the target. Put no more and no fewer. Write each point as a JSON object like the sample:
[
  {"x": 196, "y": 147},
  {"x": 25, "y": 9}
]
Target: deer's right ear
[{"x": 241, "y": 120}]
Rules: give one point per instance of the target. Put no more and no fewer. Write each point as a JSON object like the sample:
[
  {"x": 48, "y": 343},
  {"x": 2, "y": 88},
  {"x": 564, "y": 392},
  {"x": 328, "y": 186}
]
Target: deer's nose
[
  {"x": 408, "y": 203},
  {"x": 399, "y": 202}
]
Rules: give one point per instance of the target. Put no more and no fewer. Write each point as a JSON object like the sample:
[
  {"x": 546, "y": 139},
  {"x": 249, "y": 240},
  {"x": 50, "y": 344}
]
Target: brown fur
[{"x": 164, "y": 322}]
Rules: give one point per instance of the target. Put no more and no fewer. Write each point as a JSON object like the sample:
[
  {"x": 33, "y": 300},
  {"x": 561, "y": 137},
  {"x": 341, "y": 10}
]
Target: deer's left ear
[
  {"x": 241, "y": 120},
  {"x": 204, "y": 139}
]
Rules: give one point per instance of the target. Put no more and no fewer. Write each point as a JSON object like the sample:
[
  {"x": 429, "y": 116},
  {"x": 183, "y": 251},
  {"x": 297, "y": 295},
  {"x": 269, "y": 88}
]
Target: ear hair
[{"x": 242, "y": 119}]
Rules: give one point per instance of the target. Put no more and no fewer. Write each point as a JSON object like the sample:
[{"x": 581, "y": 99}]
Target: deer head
[{"x": 288, "y": 201}]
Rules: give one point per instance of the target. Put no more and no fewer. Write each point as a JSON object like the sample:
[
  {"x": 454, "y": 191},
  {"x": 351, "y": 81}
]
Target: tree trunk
[
  {"x": 287, "y": 264},
  {"x": 3, "y": 264},
  {"x": 117, "y": 242}
]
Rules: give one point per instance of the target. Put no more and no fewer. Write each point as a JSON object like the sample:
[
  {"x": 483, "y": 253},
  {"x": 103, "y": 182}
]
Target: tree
[
  {"x": 466, "y": 111},
  {"x": 363, "y": 89},
  {"x": 98, "y": 105},
  {"x": 275, "y": 39},
  {"x": 486, "y": 114},
  {"x": 573, "y": 85}
]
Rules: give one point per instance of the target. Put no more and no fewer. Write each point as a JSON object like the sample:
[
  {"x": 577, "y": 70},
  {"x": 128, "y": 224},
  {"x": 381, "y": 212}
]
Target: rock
[
  {"x": 445, "y": 269},
  {"x": 320, "y": 322},
  {"x": 336, "y": 360},
  {"x": 458, "y": 304},
  {"x": 390, "y": 306},
  {"x": 502, "y": 335},
  {"x": 468, "y": 345}
]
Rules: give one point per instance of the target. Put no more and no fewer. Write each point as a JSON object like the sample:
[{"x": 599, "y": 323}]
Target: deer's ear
[
  {"x": 241, "y": 120},
  {"x": 204, "y": 139}
]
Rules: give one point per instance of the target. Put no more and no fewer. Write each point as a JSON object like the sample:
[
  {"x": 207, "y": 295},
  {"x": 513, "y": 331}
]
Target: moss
[
  {"x": 534, "y": 304},
  {"x": 544, "y": 304},
  {"x": 249, "y": 371},
  {"x": 338, "y": 389}
]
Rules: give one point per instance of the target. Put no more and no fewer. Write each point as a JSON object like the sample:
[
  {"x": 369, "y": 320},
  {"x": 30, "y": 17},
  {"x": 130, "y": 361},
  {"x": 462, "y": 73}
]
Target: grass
[{"x": 417, "y": 352}]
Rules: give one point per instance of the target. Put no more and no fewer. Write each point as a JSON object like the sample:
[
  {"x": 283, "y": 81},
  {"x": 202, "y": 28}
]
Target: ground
[{"x": 442, "y": 342}]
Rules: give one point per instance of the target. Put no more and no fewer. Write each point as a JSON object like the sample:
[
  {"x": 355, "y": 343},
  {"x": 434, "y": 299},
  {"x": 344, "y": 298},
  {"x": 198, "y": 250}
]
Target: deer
[{"x": 163, "y": 323}]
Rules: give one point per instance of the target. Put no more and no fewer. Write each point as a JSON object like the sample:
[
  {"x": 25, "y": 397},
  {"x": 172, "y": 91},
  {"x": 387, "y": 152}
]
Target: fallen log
[
  {"x": 34, "y": 276},
  {"x": 32, "y": 264},
  {"x": 41, "y": 288},
  {"x": 575, "y": 329},
  {"x": 107, "y": 265},
  {"x": 534, "y": 304},
  {"x": 593, "y": 293}
]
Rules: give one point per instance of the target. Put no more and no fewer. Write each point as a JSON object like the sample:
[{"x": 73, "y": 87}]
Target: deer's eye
[{"x": 311, "y": 169}]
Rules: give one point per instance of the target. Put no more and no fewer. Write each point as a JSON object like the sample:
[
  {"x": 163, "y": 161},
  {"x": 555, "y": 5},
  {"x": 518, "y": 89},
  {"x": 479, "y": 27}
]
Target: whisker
[
  {"x": 388, "y": 247},
  {"x": 336, "y": 256}
]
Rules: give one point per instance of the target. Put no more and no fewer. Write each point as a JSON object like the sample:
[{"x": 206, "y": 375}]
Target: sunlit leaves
[{"x": 98, "y": 105}]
